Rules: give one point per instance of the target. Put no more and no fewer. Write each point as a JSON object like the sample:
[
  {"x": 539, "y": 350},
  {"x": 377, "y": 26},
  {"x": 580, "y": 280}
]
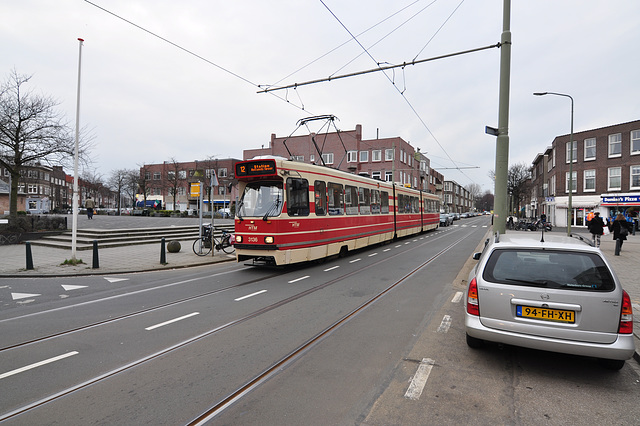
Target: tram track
[{"x": 217, "y": 408}]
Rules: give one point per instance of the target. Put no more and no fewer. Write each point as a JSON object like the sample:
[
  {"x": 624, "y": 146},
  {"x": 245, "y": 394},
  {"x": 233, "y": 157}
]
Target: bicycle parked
[{"x": 202, "y": 245}]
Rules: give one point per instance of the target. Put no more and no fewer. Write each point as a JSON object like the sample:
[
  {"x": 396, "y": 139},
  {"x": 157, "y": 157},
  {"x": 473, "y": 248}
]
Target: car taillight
[
  {"x": 472, "y": 299},
  {"x": 626, "y": 315}
]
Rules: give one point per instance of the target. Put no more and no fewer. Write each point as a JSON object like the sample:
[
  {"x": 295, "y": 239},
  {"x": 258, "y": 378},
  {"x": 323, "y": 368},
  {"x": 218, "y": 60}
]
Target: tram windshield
[{"x": 261, "y": 199}]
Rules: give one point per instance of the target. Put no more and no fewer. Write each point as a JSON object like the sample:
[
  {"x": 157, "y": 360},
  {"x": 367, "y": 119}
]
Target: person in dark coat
[
  {"x": 596, "y": 227},
  {"x": 619, "y": 228}
]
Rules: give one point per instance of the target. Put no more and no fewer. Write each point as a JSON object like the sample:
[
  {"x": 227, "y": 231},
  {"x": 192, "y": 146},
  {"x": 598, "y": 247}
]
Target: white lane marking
[
  {"x": 408, "y": 242},
  {"x": 386, "y": 250},
  {"x": 299, "y": 279},
  {"x": 399, "y": 245},
  {"x": 373, "y": 254},
  {"x": 115, "y": 280},
  {"x": 37, "y": 364},
  {"x": 250, "y": 295},
  {"x": 73, "y": 287},
  {"x": 457, "y": 298},
  {"x": 332, "y": 268},
  {"x": 419, "y": 379},
  {"x": 17, "y": 296},
  {"x": 445, "y": 324},
  {"x": 162, "y": 324},
  {"x": 355, "y": 260}
]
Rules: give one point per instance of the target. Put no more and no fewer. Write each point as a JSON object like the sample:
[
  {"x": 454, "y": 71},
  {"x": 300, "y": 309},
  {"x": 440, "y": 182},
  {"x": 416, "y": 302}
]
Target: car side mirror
[{"x": 476, "y": 256}]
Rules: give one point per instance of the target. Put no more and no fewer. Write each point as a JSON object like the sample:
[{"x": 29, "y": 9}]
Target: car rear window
[{"x": 549, "y": 268}]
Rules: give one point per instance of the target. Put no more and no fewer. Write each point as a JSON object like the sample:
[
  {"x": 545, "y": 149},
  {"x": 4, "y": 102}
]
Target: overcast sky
[{"x": 147, "y": 100}]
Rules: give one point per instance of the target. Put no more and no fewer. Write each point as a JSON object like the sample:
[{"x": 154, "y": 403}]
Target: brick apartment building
[
  {"x": 605, "y": 175},
  {"x": 387, "y": 159},
  {"x": 456, "y": 198},
  {"x": 170, "y": 184}
]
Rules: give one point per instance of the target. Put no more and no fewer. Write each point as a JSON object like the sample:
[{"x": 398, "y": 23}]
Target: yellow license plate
[{"x": 546, "y": 314}]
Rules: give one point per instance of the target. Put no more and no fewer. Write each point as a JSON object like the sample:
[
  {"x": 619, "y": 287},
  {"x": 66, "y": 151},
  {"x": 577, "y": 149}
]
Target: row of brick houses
[
  {"x": 605, "y": 175},
  {"x": 45, "y": 189}
]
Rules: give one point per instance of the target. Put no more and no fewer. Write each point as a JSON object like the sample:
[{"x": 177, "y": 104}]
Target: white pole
[{"x": 74, "y": 231}]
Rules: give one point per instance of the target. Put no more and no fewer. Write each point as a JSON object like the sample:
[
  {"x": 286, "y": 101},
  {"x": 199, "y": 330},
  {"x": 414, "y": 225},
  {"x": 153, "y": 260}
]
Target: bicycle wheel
[
  {"x": 200, "y": 247},
  {"x": 227, "y": 247}
]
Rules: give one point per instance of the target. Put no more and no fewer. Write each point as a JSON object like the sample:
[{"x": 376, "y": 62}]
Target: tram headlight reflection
[
  {"x": 238, "y": 238},
  {"x": 268, "y": 240}
]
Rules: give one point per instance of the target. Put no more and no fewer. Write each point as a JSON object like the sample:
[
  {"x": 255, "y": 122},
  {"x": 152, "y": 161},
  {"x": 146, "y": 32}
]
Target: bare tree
[
  {"x": 144, "y": 183},
  {"x": 118, "y": 182},
  {"x": 519, "y": 184},
  {"x": 174, "y": 179},
  {"x": 132, "y": 179},
  {"x": 31, "y": 131},
  {"x": 474, "y": 192}
]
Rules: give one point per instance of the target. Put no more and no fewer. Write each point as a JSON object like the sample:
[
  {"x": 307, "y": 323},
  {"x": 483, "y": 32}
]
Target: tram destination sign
[{"x": 256, "y": 168}]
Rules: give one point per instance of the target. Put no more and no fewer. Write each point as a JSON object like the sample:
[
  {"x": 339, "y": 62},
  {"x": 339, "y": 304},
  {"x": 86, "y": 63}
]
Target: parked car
[
  {"x": 445, "y": 219},
  {"x": 557, "y": 294}
]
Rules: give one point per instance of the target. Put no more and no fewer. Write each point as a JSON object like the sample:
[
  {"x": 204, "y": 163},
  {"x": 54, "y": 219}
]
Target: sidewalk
[{"x": 47, "y": 261}]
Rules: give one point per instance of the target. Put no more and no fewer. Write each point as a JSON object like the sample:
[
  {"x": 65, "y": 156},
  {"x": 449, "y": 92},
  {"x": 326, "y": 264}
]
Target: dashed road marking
[
  {"x": 162, "y": 324},
  {"x": 419, "y": 379},
  {"x": 37, "y": 364}
]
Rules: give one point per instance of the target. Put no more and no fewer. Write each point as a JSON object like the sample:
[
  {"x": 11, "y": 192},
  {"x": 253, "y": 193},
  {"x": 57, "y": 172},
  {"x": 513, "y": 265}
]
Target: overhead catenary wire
[{"x": 238, "y": 76}]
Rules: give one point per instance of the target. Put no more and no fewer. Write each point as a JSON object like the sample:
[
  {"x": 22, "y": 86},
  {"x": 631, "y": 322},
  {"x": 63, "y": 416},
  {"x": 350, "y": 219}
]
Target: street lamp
[{"x": 569, "y": 204}]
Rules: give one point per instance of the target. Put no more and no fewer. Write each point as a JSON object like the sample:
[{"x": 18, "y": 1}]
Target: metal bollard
[
  {"x": 163, "y": 253},
  {"x": 29, "y": 256},
  {"x": 96, "y": 263}
]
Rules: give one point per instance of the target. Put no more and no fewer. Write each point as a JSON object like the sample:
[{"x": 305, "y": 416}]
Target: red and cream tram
[{"x": 292, "y": 212}]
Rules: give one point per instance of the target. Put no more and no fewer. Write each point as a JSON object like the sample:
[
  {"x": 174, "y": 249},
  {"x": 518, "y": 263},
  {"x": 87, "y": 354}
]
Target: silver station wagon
[{"x": 554, "y": 293}]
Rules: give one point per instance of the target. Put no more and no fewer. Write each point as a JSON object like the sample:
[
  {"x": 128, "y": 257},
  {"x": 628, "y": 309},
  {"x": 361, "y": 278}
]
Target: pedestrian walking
[
  {"x": 89, "y": 204},
  {"x": 596, "y": 227},
  {"x": 620, "y": 230}
]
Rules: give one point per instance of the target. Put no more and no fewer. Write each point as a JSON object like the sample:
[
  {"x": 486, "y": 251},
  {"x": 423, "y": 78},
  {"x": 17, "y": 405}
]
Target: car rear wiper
[{"x": 539, "y": 283}]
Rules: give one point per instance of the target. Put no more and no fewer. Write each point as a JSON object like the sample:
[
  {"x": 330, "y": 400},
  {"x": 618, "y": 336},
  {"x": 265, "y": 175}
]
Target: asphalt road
[{"x": 164, "y": 347}]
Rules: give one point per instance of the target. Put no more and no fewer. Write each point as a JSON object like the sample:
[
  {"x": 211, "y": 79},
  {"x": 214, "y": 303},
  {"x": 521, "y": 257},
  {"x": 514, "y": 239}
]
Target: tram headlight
[
  {"x": 268, "y": 240},
  {"x": 238, "y": 238}
]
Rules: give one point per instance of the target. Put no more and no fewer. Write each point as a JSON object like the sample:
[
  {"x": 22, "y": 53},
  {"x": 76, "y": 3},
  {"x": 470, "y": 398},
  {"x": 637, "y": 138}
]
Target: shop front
[
  {"x": 627, "y": 204},
  {"x": 581, "y": 205}
]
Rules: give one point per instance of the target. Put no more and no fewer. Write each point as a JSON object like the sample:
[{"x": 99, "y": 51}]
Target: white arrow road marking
[
  {"x": 115, "y": 280},
  {"x": 73, "y": 287},
  {"x": 17, "y": 296},
  {"x": 37, "y": 364},
  {"x": 419, "y": 379},
  {"x": 250, "y": 295},
  {"x": 172, "y": 321}
]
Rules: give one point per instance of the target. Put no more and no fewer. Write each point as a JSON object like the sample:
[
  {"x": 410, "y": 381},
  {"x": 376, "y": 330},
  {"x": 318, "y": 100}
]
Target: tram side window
[
  {"x": 297, "y": 197},
  {"x": 404, "y": 204},
  {"x": 375, "y": 201},
  {"x": 336, "y": 199},
  {"x": 415, "y": 205},
  {"x": 351, "y": 199},
  {"x": 384, "y": 202},
  {"x": 320, "y": 191},
  {"x": 364, "y": 200}
]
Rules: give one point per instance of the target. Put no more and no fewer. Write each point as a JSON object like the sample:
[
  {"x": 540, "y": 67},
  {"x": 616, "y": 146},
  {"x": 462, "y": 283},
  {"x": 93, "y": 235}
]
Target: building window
[
  {"x": 635, "y": 142},
  {"x": 299, "y": 158},
  {"x": 589, "y": 181},
  {"x": 376, "y": 175},
  {"x": 147, "y": 175},
  {"x": 615, "y": 179},
  {"x": 156, "y": 175},
  {"x": 327, "y": 158},
  {"x": 388, "y": 155},
  {"x": 589, "y": 149},
  {"x": 352, "y": 156},
  {"x": 388, "y": 176},
  {"x": 615, "y": 145},
  {"x": 223, "y": 171},
  {"x": 574, "y": 182},
  {"x": 574, "y": 153},
  {"x": 635, "y": 177},
  {"x": 376, "y": 155},
  {"x": 182, "y": 174},
  {"x": 171, "y": 176},
  {"x": 312, "y": 158},
  {"x": 364, "y": 156},
  {"x": 33, "y": 189}
]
